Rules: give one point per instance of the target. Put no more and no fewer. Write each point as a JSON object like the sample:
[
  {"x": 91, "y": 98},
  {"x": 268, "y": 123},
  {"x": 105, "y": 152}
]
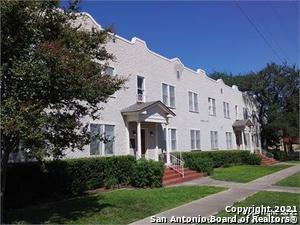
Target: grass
[
  {"x": 266, "y": 198},
  {"x": 291, "y": 181},
  {"x": 115, "y": 207},
  {"x": 293, "y": 161},
  {"x": 245, "y": 173}
]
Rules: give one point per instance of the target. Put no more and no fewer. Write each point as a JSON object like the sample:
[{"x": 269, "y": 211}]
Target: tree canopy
[
  {"x": 275, "y": 89},
  {"x": 49, "y": 78}
]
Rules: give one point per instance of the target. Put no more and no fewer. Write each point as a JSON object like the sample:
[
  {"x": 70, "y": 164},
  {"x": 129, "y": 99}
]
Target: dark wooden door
[{"x": 143, "y": 141}]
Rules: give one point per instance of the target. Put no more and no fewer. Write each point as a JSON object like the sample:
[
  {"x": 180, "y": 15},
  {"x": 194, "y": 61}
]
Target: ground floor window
[
  {"x": 195, "y": 139},
  {"x": 229, "y": 140},
  {"x": 214, "y": 139},
  {"x": 172, "y": 133},
  {"x": 105, "y": 147},
  {"x": 247, "y": 140}
]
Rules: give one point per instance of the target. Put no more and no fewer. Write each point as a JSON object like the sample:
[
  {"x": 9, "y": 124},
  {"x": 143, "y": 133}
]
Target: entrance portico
[
  {"x": 243, "y": 130},
  {"x": 144, "y": 123}
]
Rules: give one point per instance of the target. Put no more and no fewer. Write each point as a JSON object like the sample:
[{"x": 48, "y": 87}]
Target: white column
[
  {"x": 243, "y": 141},
  {"x": 139, "y": 142},
  {"x": 128, "y": 137},
  {"x": 167, "y": 145},
  {"x": 251, "y": 144},
  {"x": 156, "y": 142}
]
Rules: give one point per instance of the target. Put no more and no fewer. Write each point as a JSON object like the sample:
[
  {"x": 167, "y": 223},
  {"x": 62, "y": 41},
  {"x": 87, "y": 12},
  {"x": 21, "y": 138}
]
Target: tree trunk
[{"x": 4, "y": 164}]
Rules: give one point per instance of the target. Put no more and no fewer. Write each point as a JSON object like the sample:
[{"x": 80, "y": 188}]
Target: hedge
[
  {"x": 34, "y": 182},
  {"x": 220, "y": 158}
]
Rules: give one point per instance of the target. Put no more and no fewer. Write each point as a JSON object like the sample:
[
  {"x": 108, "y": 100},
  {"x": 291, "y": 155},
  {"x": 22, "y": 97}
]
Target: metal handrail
[{"x": 177, "y": 164}]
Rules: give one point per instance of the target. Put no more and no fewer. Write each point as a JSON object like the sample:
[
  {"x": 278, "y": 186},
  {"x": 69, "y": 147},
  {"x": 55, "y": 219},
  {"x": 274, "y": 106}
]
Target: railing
[
  {"x": 177, "y": 164},
  {"x": 267, "y": 154}
]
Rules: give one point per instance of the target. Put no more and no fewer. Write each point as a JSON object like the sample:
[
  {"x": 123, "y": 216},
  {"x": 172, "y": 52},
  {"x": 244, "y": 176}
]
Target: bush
[
  {"x": 147, "y": 173},
  {"x": 32, "y": 182},
  {"x": 204, "y": 165},
  {"x": 221, "y": 158},
  {"x": 279, "y": 155}
]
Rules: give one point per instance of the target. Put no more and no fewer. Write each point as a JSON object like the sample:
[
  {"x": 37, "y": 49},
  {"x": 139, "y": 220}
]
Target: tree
[
  {"x": 275, "y": 89},
  {"x": 49, "y": 79}
]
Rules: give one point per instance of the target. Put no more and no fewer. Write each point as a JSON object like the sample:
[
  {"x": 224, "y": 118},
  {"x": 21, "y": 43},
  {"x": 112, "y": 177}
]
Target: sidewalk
[{"x": 212, "y": 204}]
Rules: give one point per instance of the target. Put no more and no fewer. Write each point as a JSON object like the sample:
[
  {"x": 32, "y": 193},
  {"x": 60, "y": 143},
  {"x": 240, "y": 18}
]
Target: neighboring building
[{"x": 167, "y": 107}]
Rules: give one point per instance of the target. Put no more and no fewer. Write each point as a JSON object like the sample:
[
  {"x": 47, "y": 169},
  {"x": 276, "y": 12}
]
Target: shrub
[
  {"x": 222, "y": 158},
  {"x": 147, "y": 173},
  {"x": 32, "y": 182},
  {"x": 279, "y": 155},
  {"x": 204, "y": 165}
]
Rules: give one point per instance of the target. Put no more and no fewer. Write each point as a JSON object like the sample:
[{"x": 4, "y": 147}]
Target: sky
[{"x": 222, "y": 36}]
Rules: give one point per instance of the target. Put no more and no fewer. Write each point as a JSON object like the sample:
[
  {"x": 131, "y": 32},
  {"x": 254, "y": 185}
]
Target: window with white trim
[
  {"x": 236, "y": 111},
  {"x": 212, "y": 106},
  {"x": 228, "y": 140},
  {"x": 195, "y": 139},
  {"x": 99, "y": 131},
  {"x": 168, "y": 95},
  {"x": 140, "y": 88},
  {"x": 247, "y": 140},
  {"x": 214, "y": 139},
  {"x": 245, "y": 113},
  {"x": 193, "y": 102},
  {"x": 226, "y": 110},
  {"x": 173, "y": 139}
]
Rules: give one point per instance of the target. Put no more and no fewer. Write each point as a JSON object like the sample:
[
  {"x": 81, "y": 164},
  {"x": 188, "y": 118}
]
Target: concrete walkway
[{"x": 212, "y": 204}]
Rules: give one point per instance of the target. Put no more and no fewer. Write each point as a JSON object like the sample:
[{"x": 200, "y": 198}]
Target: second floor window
[
  {"x": 245, "y": 113},
  {"x": 110, "y": 71},
  {"x": 140, "y": 88},
  {"x": 168, "y": 95},
  {"x": 193, "y": 102},
  {"x": 226, "y": 110},
  {"x": 236, "y": 111},
  {"x": 212, "y": 106}
]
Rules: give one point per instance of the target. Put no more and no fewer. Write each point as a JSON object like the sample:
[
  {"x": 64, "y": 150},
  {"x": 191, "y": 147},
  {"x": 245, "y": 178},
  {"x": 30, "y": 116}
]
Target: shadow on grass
[{"x": 59, "y": 212}]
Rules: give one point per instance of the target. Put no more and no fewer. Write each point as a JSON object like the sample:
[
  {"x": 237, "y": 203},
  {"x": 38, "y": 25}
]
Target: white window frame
[
  {"x": 245, "y": 113},
  {"x": 195, "y": 104},
  {"x": 228, "y": 136},
  {"x": 214, "y": 139},
  {"x": 113, "y": 71},
  {"x": 143, "y": 87},
  {"x": 226, "y": 110},
  {"x": 170, "y": 138},
  {"x": 101, "y": 147},
  {"x": 168, "y": 95},
  {"x": 212, "y": 110},
  {"x": 193, "y": 138},
  {"x": 236, "y": 109}
]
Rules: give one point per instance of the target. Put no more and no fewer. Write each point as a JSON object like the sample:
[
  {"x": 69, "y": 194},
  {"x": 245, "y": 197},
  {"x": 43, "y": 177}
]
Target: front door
[{"x": 143, "y": 140}]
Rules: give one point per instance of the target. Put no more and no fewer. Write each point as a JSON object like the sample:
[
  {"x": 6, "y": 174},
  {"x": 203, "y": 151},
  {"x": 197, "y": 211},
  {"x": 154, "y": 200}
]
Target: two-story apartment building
[{"x": 167, "y": 107}]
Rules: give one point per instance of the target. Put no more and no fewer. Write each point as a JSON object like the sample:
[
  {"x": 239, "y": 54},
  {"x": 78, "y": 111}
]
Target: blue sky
[{"x": 214, "y": 36}]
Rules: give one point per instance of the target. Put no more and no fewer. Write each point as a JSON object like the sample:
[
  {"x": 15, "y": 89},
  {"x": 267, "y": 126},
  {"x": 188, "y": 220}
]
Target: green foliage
[
  {"x": 279, "y": 155},
  {"x": 30, "y": 182},
  {"x": 204, "y": 164},
  {"x": 221, "y": 158},
  {"x": 48, "y": 70},
  {"x": 147, "y": 173},
  {"x": 276, "y": 91}
]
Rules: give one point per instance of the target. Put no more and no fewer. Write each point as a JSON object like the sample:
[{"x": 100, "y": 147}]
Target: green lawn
[
  {"x": 266, "y": 198},
  {"x": 291, "y": 181},
  {"x": 115, "y": 207},
  {"x": 245, "y": 173}
]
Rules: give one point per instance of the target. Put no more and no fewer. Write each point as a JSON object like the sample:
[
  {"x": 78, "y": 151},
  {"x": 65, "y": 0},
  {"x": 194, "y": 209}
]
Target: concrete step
[
  {"x": 173, "y": 177},
  {"x": 179, "y": 180}
]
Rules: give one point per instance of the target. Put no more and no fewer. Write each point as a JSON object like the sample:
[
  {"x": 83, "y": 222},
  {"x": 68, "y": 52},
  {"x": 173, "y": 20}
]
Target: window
[
  {"x": 110, "y": 71},
  {"x": 247, "y": 140},
  {"x": 178, "y": 74},
  {"x": 229, "y": 140},
  {"x": 245, "y": 113},
  {"x": 226, "y": 110},
  {"x": 236, "y": 111},
  {"x": 212, "y": 107},
  {"x": 193, "y": 102},
  {"x": 172, "y": 138},
  {"x": 214, "y": 139},
  {"x": 195, "y": 139},
  {"x": 98, "y": 147},
  {"x": 168, "y": 95},
  {"x": 140, "y": 88}
]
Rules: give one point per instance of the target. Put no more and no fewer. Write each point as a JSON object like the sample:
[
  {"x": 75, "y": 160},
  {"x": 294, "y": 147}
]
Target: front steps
[
  {"x": 266, "y": 161},
  {"x": 173, "y": 177}
]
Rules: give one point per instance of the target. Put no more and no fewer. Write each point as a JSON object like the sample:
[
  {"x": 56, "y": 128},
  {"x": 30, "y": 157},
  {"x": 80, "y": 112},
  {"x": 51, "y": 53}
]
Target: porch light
[{"x": 134, "y": 133}]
